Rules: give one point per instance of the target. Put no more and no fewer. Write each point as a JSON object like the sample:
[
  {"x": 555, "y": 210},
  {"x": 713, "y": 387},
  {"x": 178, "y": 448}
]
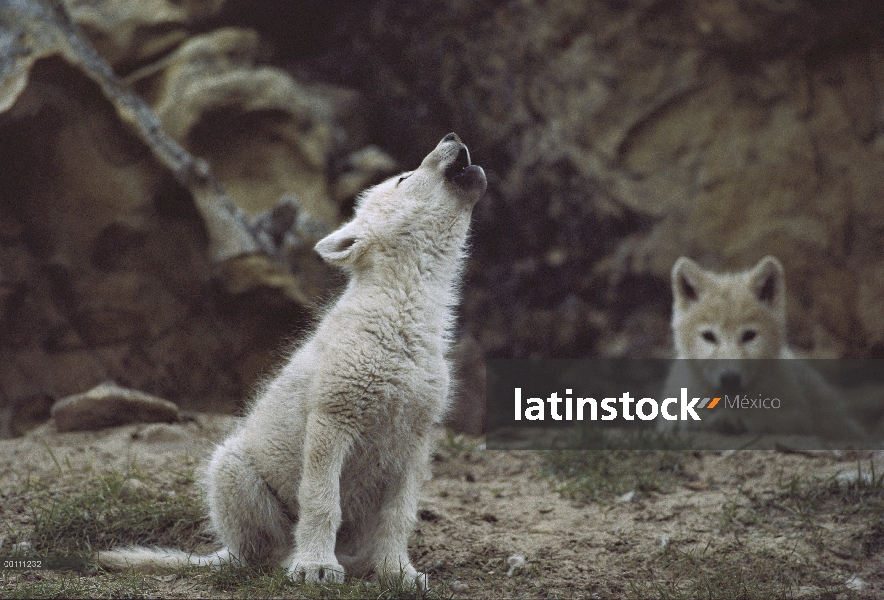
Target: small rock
[
  {"x": 855, "y": 583},
  {"x": 425, "y": 514},
  {"x": 663, "y": 540},
  {"x": 544, "y": 528},
  {"x": 109, "y": 405},
  {"x": 697, "y": 486},
  {"x": 457, "y": 586},
  {"x": 627, "y": 497},
  {"x": 516, "y": 561},
  {"x": 133, "y": 489},
  {"x": 853, "y": 477},
  {"x": 158, "y": 433}
]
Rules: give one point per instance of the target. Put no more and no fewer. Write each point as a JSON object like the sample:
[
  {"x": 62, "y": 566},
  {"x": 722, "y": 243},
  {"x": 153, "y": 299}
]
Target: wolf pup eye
[
  {"x": 748, "y": 335},
  {"x": 709, "y": 336}
]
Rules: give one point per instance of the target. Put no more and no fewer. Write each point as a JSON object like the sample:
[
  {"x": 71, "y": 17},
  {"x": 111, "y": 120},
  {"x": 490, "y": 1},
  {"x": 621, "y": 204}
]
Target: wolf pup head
[
  {"x": 412, "y": 218},
  {"x": 731, "y": 316}
]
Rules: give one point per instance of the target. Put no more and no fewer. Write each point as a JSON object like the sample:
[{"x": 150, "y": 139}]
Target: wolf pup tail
[{"x": 159, "y": 560}]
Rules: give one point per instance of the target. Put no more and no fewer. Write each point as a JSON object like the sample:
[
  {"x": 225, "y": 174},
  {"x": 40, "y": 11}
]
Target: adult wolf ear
[
  {"x": 341, "y": 247},
  {"x": 767, "y": 281},
  {"x": 688, "y": 281}
]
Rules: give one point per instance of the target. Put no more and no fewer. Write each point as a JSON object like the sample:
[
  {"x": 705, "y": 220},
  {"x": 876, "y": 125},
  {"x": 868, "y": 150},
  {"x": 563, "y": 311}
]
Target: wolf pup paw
[
  {"x": 316, "y": 572},
  {"x": 409, "y": 576}
]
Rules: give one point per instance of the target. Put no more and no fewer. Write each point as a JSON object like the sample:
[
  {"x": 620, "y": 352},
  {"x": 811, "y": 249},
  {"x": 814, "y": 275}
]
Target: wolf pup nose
[{"x": 458, "y": 169}]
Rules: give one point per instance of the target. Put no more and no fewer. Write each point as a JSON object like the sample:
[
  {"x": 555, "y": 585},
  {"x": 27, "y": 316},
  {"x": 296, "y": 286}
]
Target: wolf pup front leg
[
  {"x": 387, "y": 538},
  {"x": 319, "y": 502}
]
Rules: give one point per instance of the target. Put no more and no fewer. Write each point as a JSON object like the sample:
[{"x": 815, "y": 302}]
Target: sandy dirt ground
[{"x": 483, "y": 507}]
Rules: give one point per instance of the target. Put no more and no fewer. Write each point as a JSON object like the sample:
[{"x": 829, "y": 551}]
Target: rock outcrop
[
  {"x": 156, "y": 223},
  {"x": 166, "y": 174},
  {"x": 619, "y": 136}
]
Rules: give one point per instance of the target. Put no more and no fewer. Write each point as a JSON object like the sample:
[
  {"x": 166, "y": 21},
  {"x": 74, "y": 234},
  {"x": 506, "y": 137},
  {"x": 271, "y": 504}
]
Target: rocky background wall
[{"x": 166, "y": 167}]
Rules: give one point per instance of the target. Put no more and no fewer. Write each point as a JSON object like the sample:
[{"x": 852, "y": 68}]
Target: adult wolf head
[{"x": 731, "y": 317}]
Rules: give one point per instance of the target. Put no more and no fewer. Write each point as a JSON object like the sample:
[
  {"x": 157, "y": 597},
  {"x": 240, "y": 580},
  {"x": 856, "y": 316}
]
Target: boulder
[
  {"x": 124, "y": 255},
  {"x": 109, "y": 405}
]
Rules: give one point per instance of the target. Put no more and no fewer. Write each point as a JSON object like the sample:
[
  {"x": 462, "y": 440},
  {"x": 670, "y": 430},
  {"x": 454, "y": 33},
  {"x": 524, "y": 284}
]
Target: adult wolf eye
[
  {"x": 403, "y": 178},
  {"x": 709, "y": 336},
  {"x": 748, "y": 335}
]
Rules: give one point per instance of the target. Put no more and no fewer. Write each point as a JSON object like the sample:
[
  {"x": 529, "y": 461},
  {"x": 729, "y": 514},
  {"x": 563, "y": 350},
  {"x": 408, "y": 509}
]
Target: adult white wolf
[
  {"x": 734, "y": 320},
  {"x": 326, "y": 467}
]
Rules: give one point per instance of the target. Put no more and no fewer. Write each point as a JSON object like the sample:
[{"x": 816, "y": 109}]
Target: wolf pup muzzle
[{"x": 461, "y": 172}]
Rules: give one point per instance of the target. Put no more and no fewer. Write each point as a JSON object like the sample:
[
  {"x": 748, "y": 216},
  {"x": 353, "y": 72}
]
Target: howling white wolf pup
[{"x": 326, "y": 467}]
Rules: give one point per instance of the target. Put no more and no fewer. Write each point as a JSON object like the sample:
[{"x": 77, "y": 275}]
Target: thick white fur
[
  {"x": 325, "y": 470},
  {"x": 159, "y": 560},
  {"x": 734, "y": 318}
]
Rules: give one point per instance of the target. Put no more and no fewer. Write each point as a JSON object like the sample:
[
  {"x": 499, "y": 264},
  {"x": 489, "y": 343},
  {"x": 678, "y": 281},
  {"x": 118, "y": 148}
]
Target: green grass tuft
[
  {"x": 263, "y": 581},
  {"x": 729, "y": 572},
  {"x": 799, "y": 512},
  {"x": 101, "y": 515},
  {"x": 599, "y": 475},
  {"x": 42, "y": 584}
]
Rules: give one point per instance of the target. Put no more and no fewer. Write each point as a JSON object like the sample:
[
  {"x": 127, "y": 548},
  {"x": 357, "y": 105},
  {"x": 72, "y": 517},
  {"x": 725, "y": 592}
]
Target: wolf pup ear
[
  {"x": 339, "y": 248},
  {"x": 688, "y": 281},
  {"x": 767, "y": 281}
]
